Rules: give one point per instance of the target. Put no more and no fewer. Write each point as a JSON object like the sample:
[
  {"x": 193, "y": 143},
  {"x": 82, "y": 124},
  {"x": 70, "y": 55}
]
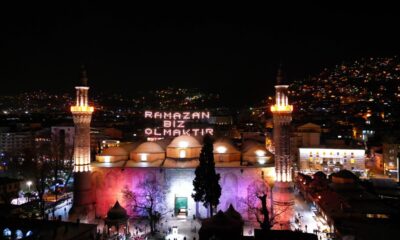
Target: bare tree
[
  {"x": 148, "y": 200},
  {"x": 42, "y": 165},
  {"x": 37, "y": 167},
  {"x": 42, "y": 170},
  {"x": 256, "y": 202},
  {"x": 62, "y": 161}
]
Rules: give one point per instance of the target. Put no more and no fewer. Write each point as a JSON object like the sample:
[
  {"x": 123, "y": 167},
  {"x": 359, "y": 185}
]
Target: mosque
[{"x": 172, "y": 162}]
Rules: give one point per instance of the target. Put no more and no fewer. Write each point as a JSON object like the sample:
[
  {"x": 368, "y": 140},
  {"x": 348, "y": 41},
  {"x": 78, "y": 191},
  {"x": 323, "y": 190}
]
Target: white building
[
  {"x": 391, "y": 156},
  {"x": 331, "y": 160}
]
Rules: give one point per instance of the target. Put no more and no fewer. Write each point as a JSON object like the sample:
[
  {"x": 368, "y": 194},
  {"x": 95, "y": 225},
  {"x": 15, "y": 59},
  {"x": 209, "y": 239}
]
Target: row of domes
[{"x": 183, "y": 147}]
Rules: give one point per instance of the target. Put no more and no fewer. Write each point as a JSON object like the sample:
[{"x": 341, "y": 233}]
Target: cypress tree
[{"x": 206, "y": 182}]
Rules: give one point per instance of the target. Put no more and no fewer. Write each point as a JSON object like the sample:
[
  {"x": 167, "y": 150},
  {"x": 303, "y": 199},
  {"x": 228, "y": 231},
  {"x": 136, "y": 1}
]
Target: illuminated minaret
[
  {"x": 283, "y": 188},
  {"x": 82, "y": 115}
]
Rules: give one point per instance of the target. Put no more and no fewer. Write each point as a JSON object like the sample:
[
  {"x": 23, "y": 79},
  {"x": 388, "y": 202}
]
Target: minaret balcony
[
  {"x": 82, "y": 109},
  {"x": 286, "y": 108}
]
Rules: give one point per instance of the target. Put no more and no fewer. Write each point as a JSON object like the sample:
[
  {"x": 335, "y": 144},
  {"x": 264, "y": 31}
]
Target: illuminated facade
[
  {"x": 330, "y": 160},
  {"x": 82, "y": 115},
  {"x": 391, "y": 157},
  {"x": 174, "y": 163},
  {"x": 283, "y": 188}
]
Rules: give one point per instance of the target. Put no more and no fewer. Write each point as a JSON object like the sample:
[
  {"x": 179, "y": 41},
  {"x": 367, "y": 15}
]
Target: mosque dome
[
  {"x": 114, "y": 151},
  {"x": 258, "y": 151},
  {"x": 249, "y": 144},
  {"x": 257, "y": 154},
  {"x": 224, "y": 146},
  {"x": 112, "y": 154},
  {"x": 149, "y": 147},
  {"x": 148, "y": 152},
  {"x": 129, "y": 146},
  {"x": 224, "y": 151},
  {"x": 184, "y": 141},
  {"x": 184, "y": 147}
]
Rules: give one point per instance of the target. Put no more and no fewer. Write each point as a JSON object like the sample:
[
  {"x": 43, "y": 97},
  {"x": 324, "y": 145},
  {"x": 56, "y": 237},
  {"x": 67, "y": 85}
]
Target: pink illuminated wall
[{"x": 108, "y": 183}]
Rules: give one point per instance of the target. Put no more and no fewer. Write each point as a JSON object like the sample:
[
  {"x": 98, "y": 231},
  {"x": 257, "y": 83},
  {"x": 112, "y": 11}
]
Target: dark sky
[{"x": 234, "y": 52}]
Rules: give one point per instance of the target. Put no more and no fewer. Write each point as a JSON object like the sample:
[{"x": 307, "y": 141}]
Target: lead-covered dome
[
  {"x": 224, "y": 146},
  {"x": 184, "y": 147},
  {"x": 112, "y": 154},
  {"x": 257, "y": 154},
  {"x": 184, "y": 141},
  {"x": 148, "y": 152},
  {"x": 224, "y": 151},
  {"x": 114, "y": 151},
  {"x": 149, "y": 147}
]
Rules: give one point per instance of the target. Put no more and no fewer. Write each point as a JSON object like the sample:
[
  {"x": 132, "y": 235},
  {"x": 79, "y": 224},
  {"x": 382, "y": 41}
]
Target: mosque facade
[
  {"x": 171, "y": 162},
  {"x": 173, "y": 166}
]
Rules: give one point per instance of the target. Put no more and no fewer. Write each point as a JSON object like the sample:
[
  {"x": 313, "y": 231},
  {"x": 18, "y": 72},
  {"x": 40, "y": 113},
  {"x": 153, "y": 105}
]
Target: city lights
[
  {"x": 177, "y": 139},
  {"x": 29, "y": 184}
]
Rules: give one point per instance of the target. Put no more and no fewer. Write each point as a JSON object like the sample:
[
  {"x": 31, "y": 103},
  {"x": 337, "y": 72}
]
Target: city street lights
[{"x": 29, "y": 183}]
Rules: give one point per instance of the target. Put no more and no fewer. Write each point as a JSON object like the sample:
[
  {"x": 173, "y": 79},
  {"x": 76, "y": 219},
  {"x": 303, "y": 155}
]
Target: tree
[
  {"x": 148, "y": 200},
  {"x": 206, "y": 182},
  {"x": 42, "y": 164},
  {"x": 37, "y": 167},
  {"x": 62, "y": 161},
  {"x": 256, "y": 203},
  {"x": 42, "y": 169}
]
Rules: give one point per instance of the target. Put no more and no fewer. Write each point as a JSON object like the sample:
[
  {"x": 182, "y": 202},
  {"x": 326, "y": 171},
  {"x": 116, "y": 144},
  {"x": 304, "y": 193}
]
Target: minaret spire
[
  {"x": 84, "y": 78},
  {"x": 279, "y": 75}
]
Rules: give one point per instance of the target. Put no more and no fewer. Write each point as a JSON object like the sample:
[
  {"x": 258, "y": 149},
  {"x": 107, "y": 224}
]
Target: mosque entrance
[{"x": 181, "y": 205}]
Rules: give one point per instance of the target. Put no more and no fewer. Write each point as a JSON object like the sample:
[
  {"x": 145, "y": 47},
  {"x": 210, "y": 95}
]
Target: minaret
[
  {"x": 82, "y": 115},
  {"x": 283, "y": 188}
]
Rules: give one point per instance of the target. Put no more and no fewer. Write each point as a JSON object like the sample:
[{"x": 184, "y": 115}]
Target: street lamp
[{"x": 29, "y": 183}]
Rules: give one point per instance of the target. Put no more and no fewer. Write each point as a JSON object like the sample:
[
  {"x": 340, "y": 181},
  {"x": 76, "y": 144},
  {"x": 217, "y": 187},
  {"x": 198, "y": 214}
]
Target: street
[{"x": 308, "y": 221}]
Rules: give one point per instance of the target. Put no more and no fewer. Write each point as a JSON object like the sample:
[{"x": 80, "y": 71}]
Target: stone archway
[{"x": 230, "y": 190}]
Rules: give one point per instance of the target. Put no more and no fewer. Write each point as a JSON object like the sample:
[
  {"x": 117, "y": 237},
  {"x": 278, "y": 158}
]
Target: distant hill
[{"x": 366, "y": 91}]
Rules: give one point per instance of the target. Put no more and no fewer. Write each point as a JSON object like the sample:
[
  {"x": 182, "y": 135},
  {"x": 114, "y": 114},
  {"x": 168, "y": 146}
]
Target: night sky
[{"x": 234, "y": 52}]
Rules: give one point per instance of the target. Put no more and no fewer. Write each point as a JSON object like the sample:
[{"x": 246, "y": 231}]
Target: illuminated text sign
[{"x": 174, "y": 123}]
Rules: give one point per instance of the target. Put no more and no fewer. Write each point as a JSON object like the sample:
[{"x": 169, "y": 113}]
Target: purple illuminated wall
[{"x": 108, "y": 183}]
